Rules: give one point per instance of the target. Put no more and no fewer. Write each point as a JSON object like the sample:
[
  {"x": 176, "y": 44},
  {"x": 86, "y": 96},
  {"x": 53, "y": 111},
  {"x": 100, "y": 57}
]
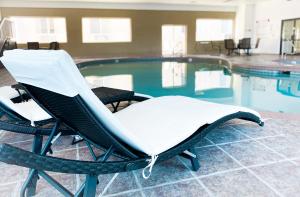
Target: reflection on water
[
  {"x": 123, "y": 82},
  {"x": 199, "y": 80},
  {"x": 205, "y": 80},
  {"x": 289, "y": 87},
  {"x": 173, "y": 74}
]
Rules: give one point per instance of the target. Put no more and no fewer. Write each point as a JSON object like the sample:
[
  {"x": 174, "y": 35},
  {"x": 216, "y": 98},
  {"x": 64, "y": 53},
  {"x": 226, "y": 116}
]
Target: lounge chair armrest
[
  {"x": 141, "y": 97},
  {"x": 16, "y": 156},
  {"x": 18, "y": 87}
]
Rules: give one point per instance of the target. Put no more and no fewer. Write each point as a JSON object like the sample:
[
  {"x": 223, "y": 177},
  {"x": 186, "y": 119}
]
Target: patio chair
[
  {"x": 141, "y": 135},
  {"x": 33, "y": 45},
  {"x": 245, "y": 44},
  {"x": 54, "y": 46},
  {"x": 230, "y": 46}
]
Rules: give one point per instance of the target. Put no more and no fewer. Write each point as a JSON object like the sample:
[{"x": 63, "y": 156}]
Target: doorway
[
  {"x": 174, "y": 40},
  {"x": 290, "y": 36}
]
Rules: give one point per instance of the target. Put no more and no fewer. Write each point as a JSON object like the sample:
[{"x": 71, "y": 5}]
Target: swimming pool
[{"x": 206, "y": 80}]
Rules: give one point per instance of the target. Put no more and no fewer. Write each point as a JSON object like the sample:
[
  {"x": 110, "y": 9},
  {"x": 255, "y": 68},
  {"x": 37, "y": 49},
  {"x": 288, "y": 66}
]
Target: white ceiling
[
  {"x": 186, "y": 2},
  {"x": 209, "y": 5}
]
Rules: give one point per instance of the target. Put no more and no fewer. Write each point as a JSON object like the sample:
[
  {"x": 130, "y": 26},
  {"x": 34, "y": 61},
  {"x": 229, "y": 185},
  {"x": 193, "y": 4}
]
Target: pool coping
[{"x": 271, "y": 66}]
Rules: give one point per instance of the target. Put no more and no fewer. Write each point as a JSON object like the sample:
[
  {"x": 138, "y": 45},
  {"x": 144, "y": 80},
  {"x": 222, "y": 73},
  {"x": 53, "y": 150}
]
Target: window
[
  {"x": 213, "y": 29},
  {"x": 105, "y": 30},
  {"x": 39, "y": 29},
  {"x": 208, "y": 80}
]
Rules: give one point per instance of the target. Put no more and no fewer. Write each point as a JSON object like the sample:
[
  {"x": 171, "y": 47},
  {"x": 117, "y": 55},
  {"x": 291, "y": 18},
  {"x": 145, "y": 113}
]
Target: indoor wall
[{"x": 146, "y": 29}]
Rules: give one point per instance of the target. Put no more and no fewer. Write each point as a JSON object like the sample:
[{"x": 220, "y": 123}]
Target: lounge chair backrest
[
  {"x": 74, "y": 112},
  {"x": 56, "y": 73}
]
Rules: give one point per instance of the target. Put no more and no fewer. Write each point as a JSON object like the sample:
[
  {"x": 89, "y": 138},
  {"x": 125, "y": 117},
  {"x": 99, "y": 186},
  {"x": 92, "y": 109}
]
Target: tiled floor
[{"x": 237, "y": 159}]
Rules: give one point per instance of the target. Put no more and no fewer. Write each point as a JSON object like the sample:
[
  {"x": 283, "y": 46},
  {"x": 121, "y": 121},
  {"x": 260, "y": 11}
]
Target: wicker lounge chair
[
  {"x": 18, "y": 113},
  {"x": 141, "y": 135}
]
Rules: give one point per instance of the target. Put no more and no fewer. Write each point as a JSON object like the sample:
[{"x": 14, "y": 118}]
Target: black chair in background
[
  {"x": 33, "y": 45},
  {"x": 245, "y": 44},
  {"x": 54, "y": 46},
  {"x": 230, "y": 46},
  {"x": 10, "y": 45},
  {"x": 7, "y": 45}
]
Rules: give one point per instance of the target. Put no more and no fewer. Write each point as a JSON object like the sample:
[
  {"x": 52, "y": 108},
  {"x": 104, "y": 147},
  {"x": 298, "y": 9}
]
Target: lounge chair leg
[
  {"x": 115, "y": 107},
  {"x": 90, "y": 186},
  {"x": 29, "y": 187},
  {"x": 194, "y": 160}
]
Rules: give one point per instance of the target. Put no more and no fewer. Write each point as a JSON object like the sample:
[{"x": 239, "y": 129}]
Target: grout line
[
  {"x": 77, "y": 175},
  {"x": 169, "y": 183},
  {"x": 124, "y": 192},
  {"x": 198, "y": 180},
  {"x": 267, "y": 147},
  {"x": 69, "y": 149},
  {"x": 138, "y": 183},
  {"x": 12, "y": 143},
  {"x": 221, "y": 172},
  {"x": 16, "y": 189},
  {"x": 241, "y": 168},
  {"x": 109, "y": 184},
  {"x": 1, "y": 133},
  {"x": 12, "y": 182},
  {"x": 251, "y": 172},
  {"x": 233, "y": 142}
]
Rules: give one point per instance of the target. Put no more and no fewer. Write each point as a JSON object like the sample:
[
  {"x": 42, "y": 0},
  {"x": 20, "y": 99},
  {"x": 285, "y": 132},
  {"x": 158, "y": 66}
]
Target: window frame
[
  {"x": 105, "y": 42},
  {"x": 216, "y": 40},
  {"x": 45, "y": 17}
]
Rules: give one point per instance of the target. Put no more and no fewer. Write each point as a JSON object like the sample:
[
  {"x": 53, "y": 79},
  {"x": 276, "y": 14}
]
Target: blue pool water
[{"x": 206, "y": 81}]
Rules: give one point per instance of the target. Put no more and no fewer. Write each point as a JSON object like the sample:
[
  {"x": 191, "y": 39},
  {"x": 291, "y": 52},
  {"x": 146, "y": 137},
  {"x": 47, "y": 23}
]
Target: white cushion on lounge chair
[
  {"x": 167, "y": 120},
  {"x": 164, "y": 122},
  {"x": 34, "y": 112},
  {"x": 28, "y": 110}
]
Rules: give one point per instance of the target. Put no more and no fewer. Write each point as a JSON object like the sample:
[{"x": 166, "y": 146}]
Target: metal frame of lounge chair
[
  {"x": 13, "y": 122},
  {"x": 95, "y": 134}
]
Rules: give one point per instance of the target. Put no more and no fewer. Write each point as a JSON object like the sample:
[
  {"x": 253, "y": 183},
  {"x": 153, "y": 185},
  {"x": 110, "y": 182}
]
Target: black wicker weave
[{"x": 111, "y": 95}]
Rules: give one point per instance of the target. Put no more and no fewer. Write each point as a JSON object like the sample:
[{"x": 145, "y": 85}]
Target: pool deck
[
  {"x": 237, "y": 159},
  {"x": 265, "y": 62}
]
